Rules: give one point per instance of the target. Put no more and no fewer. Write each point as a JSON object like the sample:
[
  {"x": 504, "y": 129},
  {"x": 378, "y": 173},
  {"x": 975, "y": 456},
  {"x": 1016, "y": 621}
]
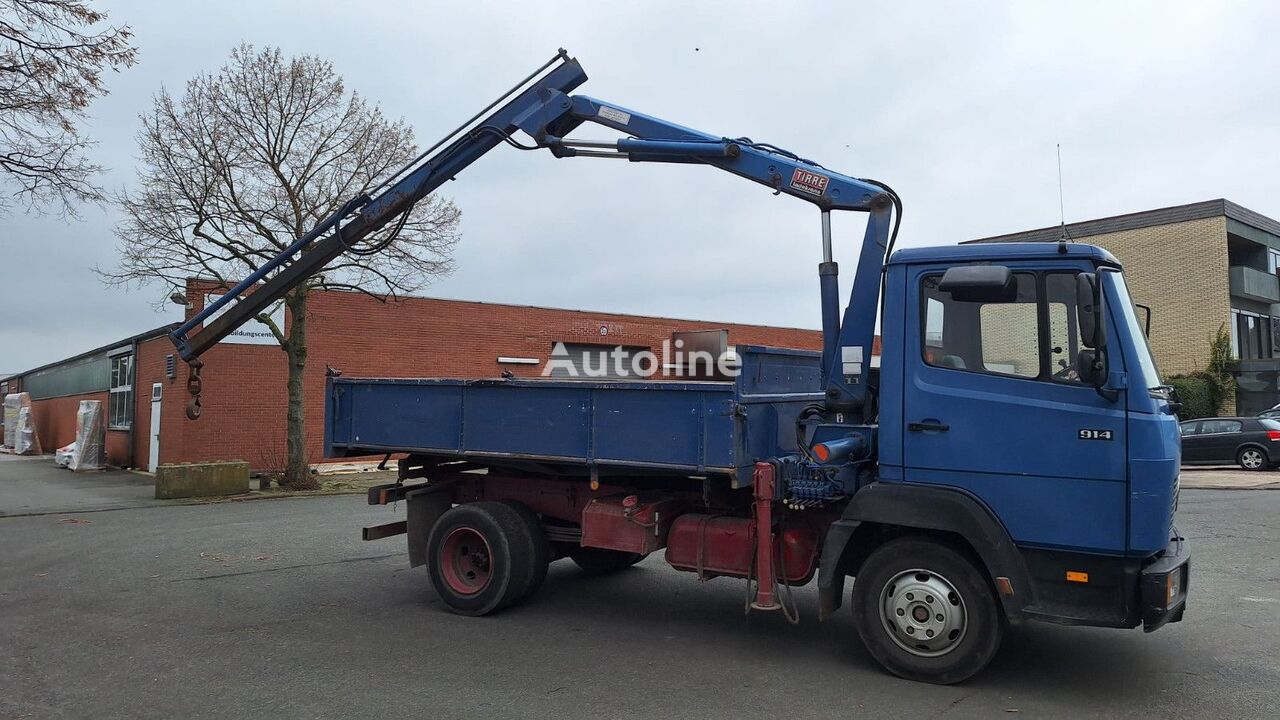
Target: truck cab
[{"x": 1001, "y": 394}]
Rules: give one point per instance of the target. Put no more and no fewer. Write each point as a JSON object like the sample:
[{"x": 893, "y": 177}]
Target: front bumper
[{"x": 1163, "y": 586}]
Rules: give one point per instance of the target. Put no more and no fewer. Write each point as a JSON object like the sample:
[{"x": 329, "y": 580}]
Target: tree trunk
[{"x": 297, "y": 474}]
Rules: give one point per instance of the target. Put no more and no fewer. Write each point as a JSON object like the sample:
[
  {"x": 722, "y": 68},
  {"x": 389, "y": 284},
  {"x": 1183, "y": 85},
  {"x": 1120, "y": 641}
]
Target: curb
[{"x": 1211, "y": 486}]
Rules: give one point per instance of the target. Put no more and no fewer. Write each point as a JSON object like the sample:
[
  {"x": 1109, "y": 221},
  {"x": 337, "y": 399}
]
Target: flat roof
[
  {"x": 154, "y": 332},
  {"x": 1146, "y": 218}
]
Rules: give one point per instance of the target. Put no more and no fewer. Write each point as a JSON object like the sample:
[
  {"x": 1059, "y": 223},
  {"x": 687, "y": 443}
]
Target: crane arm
[
  {"x": 546, "y": 112},
  {"x": 366, "y": 214}
]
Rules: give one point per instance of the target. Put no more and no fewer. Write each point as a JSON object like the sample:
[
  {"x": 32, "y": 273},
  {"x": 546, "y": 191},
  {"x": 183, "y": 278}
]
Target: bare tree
[
  {"x": 51, "y": 64},
  {"x": 248, "y": 160}
]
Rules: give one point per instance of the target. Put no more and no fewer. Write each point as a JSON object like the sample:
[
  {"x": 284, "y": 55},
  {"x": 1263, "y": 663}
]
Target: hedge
[{"x": 1197, "y": 393}]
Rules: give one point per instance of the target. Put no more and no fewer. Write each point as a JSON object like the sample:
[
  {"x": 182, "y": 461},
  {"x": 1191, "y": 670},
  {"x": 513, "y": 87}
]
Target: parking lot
[{"x": 275, "y": 608}]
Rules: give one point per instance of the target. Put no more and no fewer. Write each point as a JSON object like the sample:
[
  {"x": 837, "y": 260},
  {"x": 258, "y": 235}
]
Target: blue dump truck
[{"x": 1014, "y": 458}]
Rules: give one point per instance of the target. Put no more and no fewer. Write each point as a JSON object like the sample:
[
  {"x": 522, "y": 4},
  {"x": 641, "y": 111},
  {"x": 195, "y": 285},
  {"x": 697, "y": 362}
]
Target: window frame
[
  {"x": 1260, "y": 340},
  {"x": 1043, "y": 330},
  {"x": 122, "y": 390}
]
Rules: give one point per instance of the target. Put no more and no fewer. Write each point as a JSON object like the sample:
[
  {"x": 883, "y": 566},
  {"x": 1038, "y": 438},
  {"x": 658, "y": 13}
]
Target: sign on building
[{"x": 251, "y": 333}]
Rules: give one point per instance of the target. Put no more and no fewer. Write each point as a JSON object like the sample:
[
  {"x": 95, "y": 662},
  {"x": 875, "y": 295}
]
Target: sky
[{"x": 958, "y": 106}]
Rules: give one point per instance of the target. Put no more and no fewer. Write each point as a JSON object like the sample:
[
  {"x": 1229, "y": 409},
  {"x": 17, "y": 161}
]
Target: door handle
[{"x": 928, "y": 426}]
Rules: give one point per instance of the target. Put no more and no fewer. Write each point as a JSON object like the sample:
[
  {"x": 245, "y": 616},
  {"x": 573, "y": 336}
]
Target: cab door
[{"x": 993, "y": 405}]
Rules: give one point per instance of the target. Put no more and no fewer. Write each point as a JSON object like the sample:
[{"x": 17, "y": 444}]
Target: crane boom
[{"x": 541, "y": 107}]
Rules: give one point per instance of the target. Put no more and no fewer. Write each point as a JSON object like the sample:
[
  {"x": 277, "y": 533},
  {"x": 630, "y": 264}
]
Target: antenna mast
[{"x": 1062, "y": 213}]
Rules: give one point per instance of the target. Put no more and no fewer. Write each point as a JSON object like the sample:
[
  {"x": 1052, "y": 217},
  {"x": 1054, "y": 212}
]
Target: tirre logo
[{"x": 809, "y": 182}]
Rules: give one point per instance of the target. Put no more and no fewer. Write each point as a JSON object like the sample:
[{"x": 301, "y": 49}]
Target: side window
[
  {"x": 994, "y": 337},
  {"x": 933, "y": 319},
  {"x": 1211, "y": 427},
  {"x": 1188, "y": 428},
  {"x": 1064, "y": 331}
]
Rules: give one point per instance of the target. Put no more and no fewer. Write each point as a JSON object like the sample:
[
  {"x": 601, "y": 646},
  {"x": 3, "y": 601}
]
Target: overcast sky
[{"x": 957, "y": 106}]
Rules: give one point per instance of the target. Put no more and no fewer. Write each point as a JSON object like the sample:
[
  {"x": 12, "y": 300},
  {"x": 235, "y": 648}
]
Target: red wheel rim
[{"x": 465, "y": 561}]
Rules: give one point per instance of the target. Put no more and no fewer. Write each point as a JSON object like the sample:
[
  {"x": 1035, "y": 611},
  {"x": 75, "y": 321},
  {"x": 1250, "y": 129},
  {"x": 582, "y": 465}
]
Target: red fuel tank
[{"x": 711, "y": 546}]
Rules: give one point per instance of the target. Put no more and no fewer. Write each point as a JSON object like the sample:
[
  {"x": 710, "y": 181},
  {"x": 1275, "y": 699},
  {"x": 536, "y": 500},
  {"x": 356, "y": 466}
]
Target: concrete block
[{"x": 186, "y": 480}]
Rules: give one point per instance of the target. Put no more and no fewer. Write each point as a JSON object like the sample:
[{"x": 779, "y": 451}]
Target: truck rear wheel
[
  {"x": 535, "y": 535},
  {"x": 926, "y": 612},
  {"x": 479, "y": 558},
  {"x": 598, "y": 561}
]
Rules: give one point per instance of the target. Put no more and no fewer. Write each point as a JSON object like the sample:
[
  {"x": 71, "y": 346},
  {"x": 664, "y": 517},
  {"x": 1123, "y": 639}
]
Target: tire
[
  {"x": 598, "y": 561},
  {"x": 536, "y": 537},
  {"x": 1251, "y": 457},
  {"x": 887, "y": 594},
  {"x": 478, "y": 557}
]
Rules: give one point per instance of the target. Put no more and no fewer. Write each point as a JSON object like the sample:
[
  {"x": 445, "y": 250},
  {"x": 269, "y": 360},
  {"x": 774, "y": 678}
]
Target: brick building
[
  {"x": 244, "y": 379},
  {"x": 1198, "y": 267}
]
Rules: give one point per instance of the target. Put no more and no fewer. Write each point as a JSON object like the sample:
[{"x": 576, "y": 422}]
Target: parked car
[
  {"x": 1273, "y": 412},
  {"x": 1253, "y": 443}
]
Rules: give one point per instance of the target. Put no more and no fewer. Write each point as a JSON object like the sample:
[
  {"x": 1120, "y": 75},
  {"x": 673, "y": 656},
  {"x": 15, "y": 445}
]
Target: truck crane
[{"x": 1016, "y": 457}]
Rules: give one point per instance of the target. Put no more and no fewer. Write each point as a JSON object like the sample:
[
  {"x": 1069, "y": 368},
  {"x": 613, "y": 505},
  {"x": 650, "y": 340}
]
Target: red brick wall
[
  {"x": 117, "y": 445},
  {"x": 244, "y": 385},
  {"x": 149, "y": 368},
  {"x": 55, "y": 421}
]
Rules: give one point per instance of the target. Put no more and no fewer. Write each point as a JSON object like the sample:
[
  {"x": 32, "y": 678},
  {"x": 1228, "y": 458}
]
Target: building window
[
  {"x": 1273, "y": 261},
  {"x": 1253, "y": 335},
  {"x": 120, "y": 400}
]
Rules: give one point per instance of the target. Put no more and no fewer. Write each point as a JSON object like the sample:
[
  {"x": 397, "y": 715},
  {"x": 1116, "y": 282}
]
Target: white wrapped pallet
[
  {"x": 88, "y": 453},
  {"x": 12, "y": 402},
  {"x": 26, "y": 440},
  {"x": 62, "y": 456}
]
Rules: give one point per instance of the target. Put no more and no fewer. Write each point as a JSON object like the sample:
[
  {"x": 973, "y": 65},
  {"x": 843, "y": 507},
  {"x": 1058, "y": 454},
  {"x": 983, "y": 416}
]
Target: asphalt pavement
[
  {"x": 33, "y": 485},
  {"x": 276, "y": 608}
]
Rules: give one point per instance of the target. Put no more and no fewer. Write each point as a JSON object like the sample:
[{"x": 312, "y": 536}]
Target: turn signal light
[
  {"x": 1077, "y": 576},
  {"x": 1172, "y": 587}
]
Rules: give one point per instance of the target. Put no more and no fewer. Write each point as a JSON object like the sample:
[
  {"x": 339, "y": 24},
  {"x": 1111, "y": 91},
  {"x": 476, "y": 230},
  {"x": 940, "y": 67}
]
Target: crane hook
[{"x": 194, "y": 386}]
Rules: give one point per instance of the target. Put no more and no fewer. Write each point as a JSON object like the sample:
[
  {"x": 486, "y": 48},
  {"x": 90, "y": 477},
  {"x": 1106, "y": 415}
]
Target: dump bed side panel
[
  {"x": 673, "y": 426},
  {"x": 662, "y": 425}
]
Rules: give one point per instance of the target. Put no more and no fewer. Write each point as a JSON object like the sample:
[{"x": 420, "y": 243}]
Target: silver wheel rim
[
  {"x": 1251, "y": 459},
  {"x": 923, "y": 613}
]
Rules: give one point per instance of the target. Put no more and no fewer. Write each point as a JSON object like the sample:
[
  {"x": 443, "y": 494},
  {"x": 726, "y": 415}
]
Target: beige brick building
[{"x": 1198, "y": 267}]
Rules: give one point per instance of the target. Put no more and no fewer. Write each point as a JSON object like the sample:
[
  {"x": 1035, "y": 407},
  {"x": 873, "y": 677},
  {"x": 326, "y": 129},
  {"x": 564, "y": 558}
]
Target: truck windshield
[{"x": 1145, "y": 370}]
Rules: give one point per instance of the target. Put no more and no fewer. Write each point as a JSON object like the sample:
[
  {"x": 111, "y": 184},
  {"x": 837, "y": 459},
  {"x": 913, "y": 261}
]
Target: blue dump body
[{"x": 702, "y": 428}]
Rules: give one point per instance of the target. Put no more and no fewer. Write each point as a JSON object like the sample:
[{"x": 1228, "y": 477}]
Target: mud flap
[
  {"x": 830, "y": 572},
  {"x": 424, "y": 508}
]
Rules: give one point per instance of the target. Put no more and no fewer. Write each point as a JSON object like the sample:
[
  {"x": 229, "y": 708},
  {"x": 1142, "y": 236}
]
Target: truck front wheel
[
  {"x": 478, "y": 557},
  {"x": 926, "y": 612}
]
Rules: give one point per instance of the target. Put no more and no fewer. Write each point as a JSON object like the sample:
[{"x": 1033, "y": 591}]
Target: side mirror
[
  {"x": 1146, "y": 318},
  {"x": 1089, "y": 310},
  {"x": 979, "y": 283},
  {"x": 1091, "y": 366}
]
